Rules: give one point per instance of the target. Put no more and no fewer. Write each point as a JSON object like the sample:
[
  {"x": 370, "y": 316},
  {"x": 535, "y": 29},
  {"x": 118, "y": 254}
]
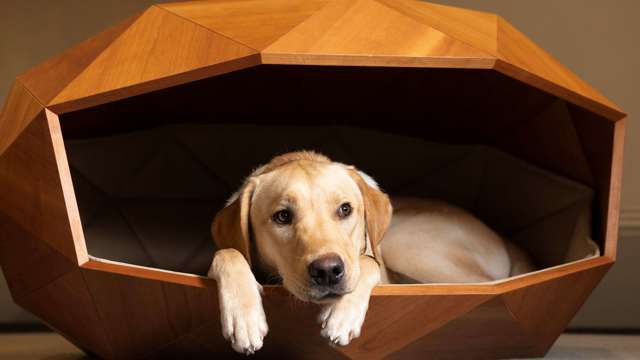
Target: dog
[{"x": 319, "y": 225}]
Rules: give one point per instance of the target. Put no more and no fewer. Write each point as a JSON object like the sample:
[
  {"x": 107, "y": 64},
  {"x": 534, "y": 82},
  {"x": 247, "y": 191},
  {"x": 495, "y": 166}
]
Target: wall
[{"x": 595, "y": 38}]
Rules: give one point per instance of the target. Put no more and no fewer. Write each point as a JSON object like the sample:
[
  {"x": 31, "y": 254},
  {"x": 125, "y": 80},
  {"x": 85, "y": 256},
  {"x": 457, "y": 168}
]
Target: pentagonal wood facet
[{"x": 426, "y": 71}]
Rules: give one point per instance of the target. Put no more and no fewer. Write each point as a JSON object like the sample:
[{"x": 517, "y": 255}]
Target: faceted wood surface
[{"x": 122, "y": 311}]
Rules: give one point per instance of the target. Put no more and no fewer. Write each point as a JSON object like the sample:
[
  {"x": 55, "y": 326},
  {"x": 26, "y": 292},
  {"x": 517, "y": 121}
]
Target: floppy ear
[
  {"x": 230, "y": 228},
  {"x": 377, "y": 208}
]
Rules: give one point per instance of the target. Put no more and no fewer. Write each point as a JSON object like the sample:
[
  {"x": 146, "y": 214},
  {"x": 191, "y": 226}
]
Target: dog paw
[
  {"x": 341, "y": 321},
  {"x": 243, "y": 321}
]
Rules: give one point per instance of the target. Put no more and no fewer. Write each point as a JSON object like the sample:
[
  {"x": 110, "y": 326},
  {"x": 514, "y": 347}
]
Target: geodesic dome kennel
[{"x": 116, "y": 154}]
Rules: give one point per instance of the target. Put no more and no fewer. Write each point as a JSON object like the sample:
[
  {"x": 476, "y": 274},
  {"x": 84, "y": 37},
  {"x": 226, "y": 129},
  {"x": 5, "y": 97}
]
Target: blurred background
[{"x": 597, "y": 39}]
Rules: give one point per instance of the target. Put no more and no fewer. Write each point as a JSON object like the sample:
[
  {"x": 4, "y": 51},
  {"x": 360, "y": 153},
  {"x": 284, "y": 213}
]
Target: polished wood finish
[
  {"x": 67, "y": 307},
  {"x": 327, "y": 39},
  {"x": 545, "y": 309},
  {"x": 19, "y": 110},
  {"x": 48, "y": 79},
  {"x": 155, "y": 63},
  {"x": 158, "y": 50},
  {"x": 37, "y": 193},
  {"x": 473, "y": 335},
  {"x": 254, "y": 23},
  {"x": 27, "y": 262}
]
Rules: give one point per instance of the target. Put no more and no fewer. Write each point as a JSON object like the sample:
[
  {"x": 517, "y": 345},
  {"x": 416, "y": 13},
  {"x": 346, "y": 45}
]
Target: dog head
[{"x": 309, "y": 219}]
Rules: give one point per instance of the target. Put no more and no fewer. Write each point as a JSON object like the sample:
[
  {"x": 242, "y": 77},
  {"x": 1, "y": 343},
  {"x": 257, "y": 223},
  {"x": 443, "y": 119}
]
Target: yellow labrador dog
[{"x": 319, "y": 226}]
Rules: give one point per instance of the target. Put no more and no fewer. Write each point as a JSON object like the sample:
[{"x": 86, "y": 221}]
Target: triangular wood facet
[
  {"x": 46, "y": 80},
  {"x": 255, "y": 23},
  {"x": 518, "y": 50},
  {"x": 395, "y": 321},
  {"x": 366, "y": 32},
  {"x": 67, "y": 306},
  {"x": 35, "y": 193},
  {"x": 28, "y": 263},
  {"x": 548, "y": 241},
  {"x": 544, "y": 310},
  {"x": 160, "y": 49},
  {"x": 473, "y": 335},
  {"x": 550, "y": 138},
  {"x": 19, "y": 110},
  {"x": 475, "y": 28},
  {"x": 142, "y": 316}
]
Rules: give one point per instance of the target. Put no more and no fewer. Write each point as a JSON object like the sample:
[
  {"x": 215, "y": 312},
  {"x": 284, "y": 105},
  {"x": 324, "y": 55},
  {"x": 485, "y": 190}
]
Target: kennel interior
[{"x": 111, "y": 185}]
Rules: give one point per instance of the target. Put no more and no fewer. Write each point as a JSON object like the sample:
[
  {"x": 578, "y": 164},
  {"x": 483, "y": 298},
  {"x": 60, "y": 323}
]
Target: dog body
[{"x": 318, "y": 225}]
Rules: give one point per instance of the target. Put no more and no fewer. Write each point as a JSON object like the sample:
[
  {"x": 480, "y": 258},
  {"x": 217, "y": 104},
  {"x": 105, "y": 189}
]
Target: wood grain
[
  {"x": 536, "y": 109},
  {"x": 516, "y": 48},
  {"x": 158, "y": 50},
  {"x": 254, "y": 23},
  {"x": 545, "y": 309},
  {"x": 474, "y": 335},
  {"x": 46, "y": 80},
  {"x": 365, "y": 32},
  {"x": 393, "y": 322},
  {"x": 19, "y": 110},
  {"x": 141, "y": 316},
  {"x": 474, "y": 28},
  {"x": 615, "y": 191},
  {"x": 66, "y": 306},
  {"x": 37, "y": 195},
  {"x": 28, "y": 263}
]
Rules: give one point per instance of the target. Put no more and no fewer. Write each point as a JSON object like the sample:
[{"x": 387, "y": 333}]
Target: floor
[{"x": 50, "y": 346}]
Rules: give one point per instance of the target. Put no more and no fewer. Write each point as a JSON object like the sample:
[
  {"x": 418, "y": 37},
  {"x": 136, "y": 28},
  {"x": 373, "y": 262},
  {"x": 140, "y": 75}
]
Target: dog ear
[
  {"x": 230, "y": 228},
  {"x": 377, "y": 208}
]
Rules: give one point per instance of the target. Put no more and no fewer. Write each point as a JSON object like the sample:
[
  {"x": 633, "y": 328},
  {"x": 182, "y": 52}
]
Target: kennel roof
[{"x": 171, "y": 44}]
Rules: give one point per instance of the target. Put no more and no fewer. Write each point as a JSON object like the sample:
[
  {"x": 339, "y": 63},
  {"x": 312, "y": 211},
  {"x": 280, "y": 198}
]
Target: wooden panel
[
  {"x": 545, "y": 309},
  {"x": 395, "y": 321},
  {"x": 475, "y": 28},
  {"x": 615, "y": 191},
  {"x": 548, "y": 241},
  {"x": 558, "y": 90},
  {"x": 148, "y": 273},
  {"x": 37, "y": 193},
  {"x": 67, "y": 307},
  {"x": 158, "y": 50},
  {"x": 28, "y": 263},
  {"x": 255, "y": 23},
  {"x": 142, "y": 316},
  {"x": 46, "y": 80},
  {"x": 19, "y": 110},
  {"x": 307, "y": 342},
  {"x": 602, "y": 143},
  {"x": 204, "y": 342},
  {"x": 487, "y": 332},
  {"x": 365, "y": 32},
  {"x": 516, "y": 48},
  {"x": 549, "y": 139}
]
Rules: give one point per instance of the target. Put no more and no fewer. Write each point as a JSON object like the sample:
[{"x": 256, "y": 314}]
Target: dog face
[{"x": 308, "y": 218}]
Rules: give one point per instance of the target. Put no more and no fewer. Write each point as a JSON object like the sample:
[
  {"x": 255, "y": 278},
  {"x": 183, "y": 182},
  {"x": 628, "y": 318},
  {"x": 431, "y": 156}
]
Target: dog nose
[{"x": 327, "y": 270}]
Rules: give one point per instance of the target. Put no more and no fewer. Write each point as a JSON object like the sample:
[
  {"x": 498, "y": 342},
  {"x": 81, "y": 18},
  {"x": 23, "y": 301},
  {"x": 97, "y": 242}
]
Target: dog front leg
[
  {"x": 241, "y": 311},
  {"x": 342, "y": 320}
]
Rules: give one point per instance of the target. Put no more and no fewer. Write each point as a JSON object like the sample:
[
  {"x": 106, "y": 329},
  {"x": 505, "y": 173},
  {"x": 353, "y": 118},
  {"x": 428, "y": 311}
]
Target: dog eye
[
  {"x": 282, "y": 217},
  {"x": 344, "y": 210}
]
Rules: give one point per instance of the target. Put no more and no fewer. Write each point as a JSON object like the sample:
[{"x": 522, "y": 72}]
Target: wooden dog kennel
[{"x": 115, "y": 155}]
